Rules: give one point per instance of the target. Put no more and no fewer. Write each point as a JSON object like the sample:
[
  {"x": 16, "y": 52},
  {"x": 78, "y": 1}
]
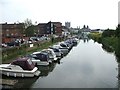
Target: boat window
[
  {"x": 56, "y": 50},
  {"x": 50, "y": 52},
  {"x": 62, "y": 45},
  {"x": 33, "y": 56},
  {"x": 42, "y": 57},
  {"x": 6, "y": 68}
]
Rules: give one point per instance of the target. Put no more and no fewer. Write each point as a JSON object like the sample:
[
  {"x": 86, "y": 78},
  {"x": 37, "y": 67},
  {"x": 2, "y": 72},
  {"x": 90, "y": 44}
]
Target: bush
[
  {"x": 95, "y": 36},
  {"x": 108, "y": 33}
]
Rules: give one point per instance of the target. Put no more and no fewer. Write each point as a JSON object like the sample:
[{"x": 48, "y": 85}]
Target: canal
[{"x": 87, "y": 65}]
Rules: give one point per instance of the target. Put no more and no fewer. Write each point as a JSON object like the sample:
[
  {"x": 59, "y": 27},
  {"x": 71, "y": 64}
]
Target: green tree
[
  {"x": 29, "y": 28},
  {"x": 117, "y": 32},
  {"x": 117, "y": 50},
  {"x": 108, "y": 33},
  {"x": 29, "y": 31},
  {"x": 27, "y": 23}
]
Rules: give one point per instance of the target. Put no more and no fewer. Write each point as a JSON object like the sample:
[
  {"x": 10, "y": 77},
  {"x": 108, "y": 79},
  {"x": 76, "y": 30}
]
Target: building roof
[{"x": 12, "y": 26}]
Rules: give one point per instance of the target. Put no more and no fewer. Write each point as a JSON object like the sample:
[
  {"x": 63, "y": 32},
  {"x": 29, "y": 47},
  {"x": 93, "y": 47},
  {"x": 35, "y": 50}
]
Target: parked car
[
  {"x": 4, "y": 45},
  {"x": 11, "y": 44},
  {"x": 40, "y": 58}
]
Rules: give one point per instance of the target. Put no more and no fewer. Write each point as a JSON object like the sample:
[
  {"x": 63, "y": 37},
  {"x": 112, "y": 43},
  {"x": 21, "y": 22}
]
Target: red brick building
[
  {"x": 11, "y": 31},
  {"x": 58, "y": 27},
  {"x": 49, "y": 28},
  {"x": 40, "y": 29}
]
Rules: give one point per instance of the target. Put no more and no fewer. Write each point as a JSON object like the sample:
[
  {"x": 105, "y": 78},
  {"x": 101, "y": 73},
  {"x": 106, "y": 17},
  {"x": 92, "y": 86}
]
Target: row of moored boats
[{"x": 27, "y": 66}]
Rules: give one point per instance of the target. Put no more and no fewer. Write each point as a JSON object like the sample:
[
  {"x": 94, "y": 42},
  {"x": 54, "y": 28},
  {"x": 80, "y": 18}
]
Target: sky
[{"x": 96, "y": 14}]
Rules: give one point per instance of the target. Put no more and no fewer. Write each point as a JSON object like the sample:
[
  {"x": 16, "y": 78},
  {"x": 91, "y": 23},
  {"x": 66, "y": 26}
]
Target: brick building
[
  {"x": 40, "y": 29},
  {"x": 11, "y": 31},
  {"x": 48, "y": 28},
  {"x": 57, "y": 27}
]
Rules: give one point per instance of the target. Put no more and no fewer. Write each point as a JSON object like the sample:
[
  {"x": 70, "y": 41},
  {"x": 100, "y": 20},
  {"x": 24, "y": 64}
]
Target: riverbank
[
  {"x": 110, "y": 43},
  {"x": 12, "y": 53}
]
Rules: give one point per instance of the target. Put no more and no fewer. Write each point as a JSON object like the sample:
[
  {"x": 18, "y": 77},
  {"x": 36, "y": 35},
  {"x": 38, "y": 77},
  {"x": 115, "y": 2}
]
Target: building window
[
  {"x": 51, "y": 24},
  {"x": 7, "y": 30},
  {"x": 12, "y": 34},
  {"x": 7, "y": 35},
  {"x": 47, "y": 31}
]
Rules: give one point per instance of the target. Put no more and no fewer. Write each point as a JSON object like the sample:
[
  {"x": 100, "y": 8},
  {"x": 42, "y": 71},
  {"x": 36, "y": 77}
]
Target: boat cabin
[
  {"x": 25, "y": 63},
  {"x": 41, "y": 56}
]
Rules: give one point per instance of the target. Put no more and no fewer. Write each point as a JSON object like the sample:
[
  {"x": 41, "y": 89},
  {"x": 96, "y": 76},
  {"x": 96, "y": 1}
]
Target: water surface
[{"x": 86, "y": 66}]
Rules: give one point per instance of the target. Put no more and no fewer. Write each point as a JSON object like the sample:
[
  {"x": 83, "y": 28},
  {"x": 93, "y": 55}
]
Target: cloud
[{"x": 95, "y": 13}]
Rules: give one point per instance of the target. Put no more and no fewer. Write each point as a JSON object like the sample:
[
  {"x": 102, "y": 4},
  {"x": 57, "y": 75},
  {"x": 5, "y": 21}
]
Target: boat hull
[{"x": 19, "y": 73}]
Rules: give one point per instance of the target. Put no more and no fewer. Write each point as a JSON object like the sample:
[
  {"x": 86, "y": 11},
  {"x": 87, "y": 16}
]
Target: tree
[
  {"x": 117, "y": 50},
  {"x": 29, "y": 28},
  {"x": 108, "y": 33},
  {"x": 117, "y": 32},
  {"x": 27, "y": 23},
  {"x": 29, "y": 31}
]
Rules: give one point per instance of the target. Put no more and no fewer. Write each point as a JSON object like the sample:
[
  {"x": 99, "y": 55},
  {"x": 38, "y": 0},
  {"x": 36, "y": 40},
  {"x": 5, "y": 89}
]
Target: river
[{"x": 87, "y": 65}]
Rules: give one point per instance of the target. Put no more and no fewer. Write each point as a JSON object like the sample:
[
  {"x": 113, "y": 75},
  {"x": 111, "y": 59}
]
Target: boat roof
[
  {"x": 42, "y": 52},
  {"x": 36, "y": 52},
  {"x": 22, "y": 59},
  {"x": 25, "y": 63}
]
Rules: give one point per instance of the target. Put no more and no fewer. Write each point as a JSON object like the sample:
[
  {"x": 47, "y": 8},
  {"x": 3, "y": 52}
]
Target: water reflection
[
  {"x": 45, "y": 70},
  {"x": 107, "y": 49},
  {"x": 17, "y": 83},
  {"x": 86, "y": 66},
  {"x": 116, "y": 52},
  {"x": 85, "y": 40}
]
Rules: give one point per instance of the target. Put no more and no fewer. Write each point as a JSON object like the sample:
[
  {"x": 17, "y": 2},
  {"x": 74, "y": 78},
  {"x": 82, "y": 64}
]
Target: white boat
[
  {"x": 40, "y": 58},
  {"x": 51, "y": 53},
  {"x": 64, "y": 50},
  {"x": 22, "y": 67},
  {"x": 57, "y": 51}
]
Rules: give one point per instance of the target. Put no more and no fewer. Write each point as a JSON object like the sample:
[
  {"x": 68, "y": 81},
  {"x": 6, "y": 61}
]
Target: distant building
[
  {"x": 57, "y": 28},
  {"x": 65, "y": 31},
  {"x": 74, "y": 30},
  {"x": 85, "y": 29},
  {"x": 48, "y": 28},
  {"x": 12, "y": 31},
  {"x": 67, "y": 24},
  {"x": 40, "y": 29}
]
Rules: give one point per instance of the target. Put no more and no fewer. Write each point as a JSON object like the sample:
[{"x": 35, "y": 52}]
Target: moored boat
[
  {"x": 40, "y": 58},
  {"x": 22, "y": 67}
]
